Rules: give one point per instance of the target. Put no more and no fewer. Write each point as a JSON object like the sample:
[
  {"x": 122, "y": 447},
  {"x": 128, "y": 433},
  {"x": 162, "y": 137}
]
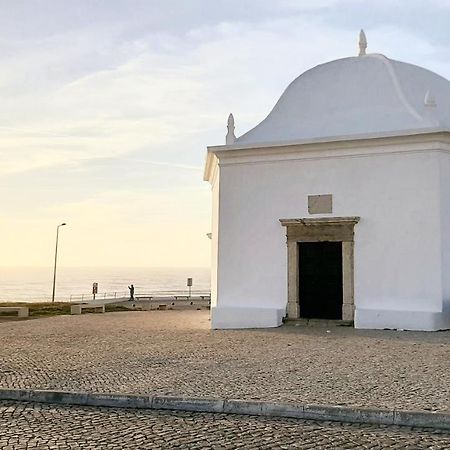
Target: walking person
[{"x": 131, "y": 288}]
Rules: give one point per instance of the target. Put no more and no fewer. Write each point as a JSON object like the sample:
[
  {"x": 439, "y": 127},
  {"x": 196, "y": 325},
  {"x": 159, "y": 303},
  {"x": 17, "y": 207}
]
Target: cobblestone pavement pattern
[
  {"x": 34, "y": 426},
  {"x": 175, "y": 353}
]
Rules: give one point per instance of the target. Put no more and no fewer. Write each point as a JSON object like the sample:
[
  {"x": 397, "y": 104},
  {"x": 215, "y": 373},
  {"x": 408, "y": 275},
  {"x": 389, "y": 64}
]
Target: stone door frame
[{"x": 320, "y": 229}]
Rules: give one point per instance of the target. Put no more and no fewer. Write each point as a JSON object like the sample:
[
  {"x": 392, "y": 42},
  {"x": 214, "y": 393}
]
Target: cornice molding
[{"x": 360, "y": 147}]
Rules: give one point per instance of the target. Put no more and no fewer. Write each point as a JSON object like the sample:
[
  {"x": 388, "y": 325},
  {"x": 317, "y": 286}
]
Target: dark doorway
[{"x": 320, "y": 280}]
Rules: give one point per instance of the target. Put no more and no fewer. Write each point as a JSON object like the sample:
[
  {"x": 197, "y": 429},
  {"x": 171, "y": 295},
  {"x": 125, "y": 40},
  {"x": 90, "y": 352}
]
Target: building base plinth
[
  {"x": 235, "y": 317},
  {"x": 401, "y": 320}
]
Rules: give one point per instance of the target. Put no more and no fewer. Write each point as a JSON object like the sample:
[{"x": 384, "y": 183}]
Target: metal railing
[
  {"x": 98, "y": 296},
  {"x": 174, "y": 294}
]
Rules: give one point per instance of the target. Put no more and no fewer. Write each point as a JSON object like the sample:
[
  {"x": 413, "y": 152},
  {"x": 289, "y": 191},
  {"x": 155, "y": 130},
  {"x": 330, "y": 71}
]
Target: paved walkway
[
  {"x": 28, "y": 426},
  {"x": 175, "y": 353}
]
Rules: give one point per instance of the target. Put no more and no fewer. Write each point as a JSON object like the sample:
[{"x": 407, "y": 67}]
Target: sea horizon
[{"x": 34, "y": 284}]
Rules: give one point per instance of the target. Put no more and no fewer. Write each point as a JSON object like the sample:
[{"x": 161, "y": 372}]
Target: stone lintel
[
  {"x": 311, "y": 221},
  {"x": 331, "y": 229}
]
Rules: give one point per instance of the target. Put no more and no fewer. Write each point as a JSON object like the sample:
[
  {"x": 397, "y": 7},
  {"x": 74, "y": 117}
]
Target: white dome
[{"x": 362, "y": 95}]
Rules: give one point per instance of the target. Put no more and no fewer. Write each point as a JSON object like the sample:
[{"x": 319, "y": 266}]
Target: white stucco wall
[
  {"x": 398, "y": 277},
  {"x": 444, "y": 166},
  {"x": 215, "y": 191}
]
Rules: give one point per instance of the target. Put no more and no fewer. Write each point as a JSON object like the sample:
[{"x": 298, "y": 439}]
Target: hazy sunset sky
[{"x": 107, "y": 107}]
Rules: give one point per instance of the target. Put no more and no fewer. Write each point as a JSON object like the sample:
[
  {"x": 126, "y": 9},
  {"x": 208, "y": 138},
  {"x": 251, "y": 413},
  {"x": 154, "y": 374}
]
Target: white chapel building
[{"x": 337, "y": 205}]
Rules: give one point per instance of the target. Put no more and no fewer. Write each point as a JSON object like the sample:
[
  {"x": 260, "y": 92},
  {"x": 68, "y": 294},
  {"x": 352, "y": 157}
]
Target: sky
[{"x": 107, "y": 107}]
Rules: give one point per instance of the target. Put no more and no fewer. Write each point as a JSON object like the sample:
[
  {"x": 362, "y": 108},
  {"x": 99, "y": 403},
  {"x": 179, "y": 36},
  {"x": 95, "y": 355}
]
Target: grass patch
[
  {"x": 41, "y": 309},
  {"x": 116, "y": 308},
  {"x": 54, "y": 309}
]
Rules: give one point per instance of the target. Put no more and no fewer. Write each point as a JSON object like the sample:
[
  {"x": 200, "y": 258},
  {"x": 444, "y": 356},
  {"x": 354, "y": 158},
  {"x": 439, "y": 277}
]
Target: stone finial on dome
[
  {"x": 362, "y": 43},
  {"x": 230, "y": 137},
  {"x": 429, "y": 99}
]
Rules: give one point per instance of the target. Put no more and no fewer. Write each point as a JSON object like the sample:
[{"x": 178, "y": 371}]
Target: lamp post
[{"x": 56, "y": 255}]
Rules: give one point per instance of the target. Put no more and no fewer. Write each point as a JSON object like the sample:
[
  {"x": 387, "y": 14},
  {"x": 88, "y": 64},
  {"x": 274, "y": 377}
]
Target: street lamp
[{"x": 56, "y": 255}]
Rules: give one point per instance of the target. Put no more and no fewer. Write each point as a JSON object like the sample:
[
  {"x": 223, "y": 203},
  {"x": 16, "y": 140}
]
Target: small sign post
[
  {"x": 189, "y": 284},
  {"x": 94, "y": 289}
]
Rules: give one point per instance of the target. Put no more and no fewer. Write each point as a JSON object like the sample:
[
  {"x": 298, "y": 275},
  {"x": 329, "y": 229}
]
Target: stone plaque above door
[{"x": 320, "y": 204}]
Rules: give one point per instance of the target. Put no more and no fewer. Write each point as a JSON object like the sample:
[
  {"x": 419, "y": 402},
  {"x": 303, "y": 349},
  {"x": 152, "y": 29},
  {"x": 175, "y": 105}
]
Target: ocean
[{"x": 33, "y": 284}]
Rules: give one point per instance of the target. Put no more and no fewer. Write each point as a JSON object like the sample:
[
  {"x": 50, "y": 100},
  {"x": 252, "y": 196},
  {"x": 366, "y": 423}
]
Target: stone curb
[{"x": 425, "y": 419}]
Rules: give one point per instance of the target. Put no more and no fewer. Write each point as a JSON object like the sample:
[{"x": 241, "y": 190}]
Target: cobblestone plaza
[
  {"x": 175, "y": 353},
  {"x": 27, "y": 426}
]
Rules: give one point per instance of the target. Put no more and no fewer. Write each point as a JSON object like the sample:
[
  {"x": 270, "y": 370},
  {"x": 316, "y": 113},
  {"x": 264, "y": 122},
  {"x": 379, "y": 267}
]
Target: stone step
[{"x": 318, "y": 323}]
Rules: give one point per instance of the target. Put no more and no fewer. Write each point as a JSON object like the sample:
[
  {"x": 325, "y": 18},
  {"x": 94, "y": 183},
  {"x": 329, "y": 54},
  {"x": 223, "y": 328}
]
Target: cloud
[
  {"x": 96, "y": 94},
  {"x": 108, "y": 106}
]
